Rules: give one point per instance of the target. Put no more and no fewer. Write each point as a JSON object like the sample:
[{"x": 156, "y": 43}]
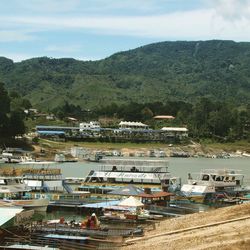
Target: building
[
  {"x": 176, "y": 132},
  {"x": 89, "y": 125}
]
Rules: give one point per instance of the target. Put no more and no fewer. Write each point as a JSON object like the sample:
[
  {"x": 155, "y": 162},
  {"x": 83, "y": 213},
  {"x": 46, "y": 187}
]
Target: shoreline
[{"x": 141, "y": 150}]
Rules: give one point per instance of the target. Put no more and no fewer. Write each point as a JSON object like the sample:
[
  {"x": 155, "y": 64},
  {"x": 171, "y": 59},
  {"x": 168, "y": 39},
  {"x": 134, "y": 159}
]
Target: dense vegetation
[
  {"x": 11, "y": 115},
  {"x": 167, "y": 71},
  {"x": 205, "y": 84}
]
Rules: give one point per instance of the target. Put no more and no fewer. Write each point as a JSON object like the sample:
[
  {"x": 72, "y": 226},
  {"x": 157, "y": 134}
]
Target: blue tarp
[
  {"x": 65, "y": 237},
  {"x": 101, "y": 204},
  {"x": 47, "y": 132}
]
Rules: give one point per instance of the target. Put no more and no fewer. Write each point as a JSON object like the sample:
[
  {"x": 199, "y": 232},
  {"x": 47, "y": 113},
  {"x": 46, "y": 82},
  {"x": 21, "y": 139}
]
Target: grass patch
[
  {"x": 100, "y": 145},
  {"x": 229, "y": 146}
]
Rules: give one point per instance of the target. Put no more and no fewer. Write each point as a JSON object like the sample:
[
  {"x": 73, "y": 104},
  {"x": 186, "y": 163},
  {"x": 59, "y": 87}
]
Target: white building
[
  {"x": 89, "y": 125},
  {"x": 175, "y": 131}
]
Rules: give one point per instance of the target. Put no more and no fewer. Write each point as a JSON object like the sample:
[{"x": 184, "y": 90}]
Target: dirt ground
[{"x": 230, "y": 235}]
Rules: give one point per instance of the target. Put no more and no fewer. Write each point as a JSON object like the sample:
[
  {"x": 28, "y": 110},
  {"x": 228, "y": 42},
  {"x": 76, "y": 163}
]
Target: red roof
[{"x": 164, "y": 117}]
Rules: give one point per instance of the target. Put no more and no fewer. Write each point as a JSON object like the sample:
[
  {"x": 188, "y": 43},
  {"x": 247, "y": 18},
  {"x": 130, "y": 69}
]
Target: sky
[{"x": 96, "y": 29}]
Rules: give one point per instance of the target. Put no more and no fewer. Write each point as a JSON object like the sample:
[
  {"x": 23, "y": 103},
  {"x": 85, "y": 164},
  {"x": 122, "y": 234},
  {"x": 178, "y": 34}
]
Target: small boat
[{"x": 61, "y": 227}]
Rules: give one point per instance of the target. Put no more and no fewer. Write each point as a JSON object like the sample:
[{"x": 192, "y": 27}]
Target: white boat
[
  {"x": 59, "y": 157},
  {"x": 13, "y": 192},
  {"x": 117, "y": 172},
  {"x": 211, "y": 181},
  {"x": 10, "y": 157},
  {"x": 44, "y": 179}
]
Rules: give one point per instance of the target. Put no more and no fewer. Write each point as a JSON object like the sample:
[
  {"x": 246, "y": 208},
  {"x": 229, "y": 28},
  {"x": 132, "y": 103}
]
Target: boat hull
[{"x": 38, "y": 205}]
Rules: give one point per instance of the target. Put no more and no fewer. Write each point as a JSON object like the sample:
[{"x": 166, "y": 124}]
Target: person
[
  {"x": 72, "y": 223},
  {"x": 84, "y": 223},
  {"x": 94, "y": 223},
  {"x": 88, "y": 222},
  {"x": 62, "y": 220}
]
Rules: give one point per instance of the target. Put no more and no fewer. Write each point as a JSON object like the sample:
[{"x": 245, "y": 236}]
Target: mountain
[{"x": 157, "y": 72}]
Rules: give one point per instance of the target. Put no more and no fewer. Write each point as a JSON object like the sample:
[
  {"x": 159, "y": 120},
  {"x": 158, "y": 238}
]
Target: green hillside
[{"x": 166, "y": 71}]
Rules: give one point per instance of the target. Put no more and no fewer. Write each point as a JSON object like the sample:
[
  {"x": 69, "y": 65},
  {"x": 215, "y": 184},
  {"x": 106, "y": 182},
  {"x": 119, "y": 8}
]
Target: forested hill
[{"x": 157, "y": 72}]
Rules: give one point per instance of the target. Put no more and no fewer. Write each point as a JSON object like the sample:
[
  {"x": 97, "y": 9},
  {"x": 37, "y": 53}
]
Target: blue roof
[
  {"x": 51, "y": 132},
  {"x": 99, "y": 187},
  {"x": 65, "y": 237},
  {"x": 101, "y": 204},
  {"x": 54, "y": 127}
]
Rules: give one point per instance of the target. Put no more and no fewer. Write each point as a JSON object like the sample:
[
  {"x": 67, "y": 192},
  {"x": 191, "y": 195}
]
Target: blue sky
[{"x": 95, "y": 29}]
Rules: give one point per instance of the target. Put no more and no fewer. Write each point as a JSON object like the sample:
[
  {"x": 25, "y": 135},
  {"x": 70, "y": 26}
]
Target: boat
[
  {"x": 213, "y": 184},
  {"x": 13, "y": 192},
  {"x": 118, "y": 172},
  {"x": 62, "y": 227},
  {"x": 59, "y": 157},
  {"x": 45, "y": 179},
  {"x": 95, "y": 157},
  {"x": 15, "y": 155}
]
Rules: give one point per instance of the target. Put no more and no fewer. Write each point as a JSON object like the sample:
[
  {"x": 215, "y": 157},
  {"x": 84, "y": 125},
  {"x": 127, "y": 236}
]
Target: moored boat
[
  {"x": 213, "y": 184},
  {"x": 117, "y": 172},
  {"x": 13, "y": 193}
]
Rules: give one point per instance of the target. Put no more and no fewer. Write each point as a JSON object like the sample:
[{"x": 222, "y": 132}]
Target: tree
[
  {"x": 16, "y": 125},
  {"x": 4, "y": 110},
  {"x": 147, "y": 113},
  {"x": 4, "y": 100}
]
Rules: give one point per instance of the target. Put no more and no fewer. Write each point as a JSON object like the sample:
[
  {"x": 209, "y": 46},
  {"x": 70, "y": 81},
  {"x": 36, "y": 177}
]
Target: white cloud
[
  {"x": 48, "y": 6},
  {"x": 210, "y": 23},
  {"x": 85, "y": 6},
  {"x": 136, "y": 5},
  {"x": 14, "y": 36},
  {"x": 232, "y": 10},
  {"x": 199, "y": 24}
]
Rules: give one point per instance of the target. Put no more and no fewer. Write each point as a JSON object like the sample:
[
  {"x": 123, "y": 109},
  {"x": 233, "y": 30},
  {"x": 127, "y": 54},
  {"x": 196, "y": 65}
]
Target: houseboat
[
  {"x": 13, "y": 192},
  {"x": 213, "y": 183},
  {"x": 117, "y": 172},
  {"x": 43, "y": 181}
]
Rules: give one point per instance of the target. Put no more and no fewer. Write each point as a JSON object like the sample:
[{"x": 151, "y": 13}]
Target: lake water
[{"x": 179, "y": 167}]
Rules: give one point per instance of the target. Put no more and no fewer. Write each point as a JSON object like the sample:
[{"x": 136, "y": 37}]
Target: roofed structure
[
  {"x": 174, "y": 129},
  {"x": 131, "y": 202}
]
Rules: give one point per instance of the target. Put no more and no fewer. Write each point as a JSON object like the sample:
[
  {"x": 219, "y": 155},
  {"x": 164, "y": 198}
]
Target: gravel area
[{"x": 232, "y": 235}]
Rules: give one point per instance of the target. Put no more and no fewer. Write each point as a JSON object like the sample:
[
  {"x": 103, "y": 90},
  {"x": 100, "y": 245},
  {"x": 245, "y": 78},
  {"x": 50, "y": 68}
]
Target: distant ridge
[{"x": 162, "y": 71}]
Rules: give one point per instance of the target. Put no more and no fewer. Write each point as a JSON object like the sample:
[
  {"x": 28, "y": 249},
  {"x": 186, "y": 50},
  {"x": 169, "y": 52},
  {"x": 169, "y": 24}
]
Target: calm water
[{"x": 177, "y": 166}]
